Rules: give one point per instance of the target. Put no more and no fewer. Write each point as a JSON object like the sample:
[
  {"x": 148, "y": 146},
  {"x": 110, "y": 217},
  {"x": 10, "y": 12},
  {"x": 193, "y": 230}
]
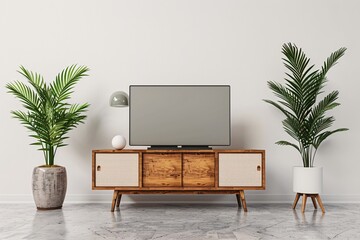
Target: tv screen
[{"x": 179, "y": 115}]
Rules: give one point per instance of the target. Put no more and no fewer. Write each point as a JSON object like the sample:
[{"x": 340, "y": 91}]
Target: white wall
[{"x": 179, "y": 42}]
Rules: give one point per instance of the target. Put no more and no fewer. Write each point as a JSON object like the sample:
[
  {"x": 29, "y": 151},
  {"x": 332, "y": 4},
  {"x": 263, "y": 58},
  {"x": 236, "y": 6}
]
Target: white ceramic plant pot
[{"x": 307, "y": 180}]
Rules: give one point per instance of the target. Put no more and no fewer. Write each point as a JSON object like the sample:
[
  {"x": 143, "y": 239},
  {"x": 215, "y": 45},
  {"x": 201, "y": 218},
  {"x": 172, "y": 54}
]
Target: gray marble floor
[{"x": 179, "y": 221}]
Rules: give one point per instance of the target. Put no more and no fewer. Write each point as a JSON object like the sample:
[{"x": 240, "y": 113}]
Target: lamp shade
[{"x": 119, "y": 99}]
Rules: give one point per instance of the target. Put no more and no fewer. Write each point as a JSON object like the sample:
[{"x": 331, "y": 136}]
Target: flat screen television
[{"x": 179, "y": 116}]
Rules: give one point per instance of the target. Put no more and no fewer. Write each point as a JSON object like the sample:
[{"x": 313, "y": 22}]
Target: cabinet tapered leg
[
  {"x": 118, "y": 199},
  {"x": 238, "y": 199},
  {"x": 114, "y": 200},
  {"x": 243, "y": 201}
]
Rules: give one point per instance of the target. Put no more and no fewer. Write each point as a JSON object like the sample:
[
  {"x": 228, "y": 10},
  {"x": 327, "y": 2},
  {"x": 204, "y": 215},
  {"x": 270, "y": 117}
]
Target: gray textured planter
[{"x": 49, "y": 187}]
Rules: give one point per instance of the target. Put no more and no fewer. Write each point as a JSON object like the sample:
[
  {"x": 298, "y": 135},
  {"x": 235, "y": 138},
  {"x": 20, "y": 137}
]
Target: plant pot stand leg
[
  {"x": 320, "y": 203},
  {"x": 314, "y": 198},
  {"x": 303, "y": 202},
  {"x": 296, "y": 200},
  {"x": 243, "y": 201},
  {"x": 314, "y": 202}
]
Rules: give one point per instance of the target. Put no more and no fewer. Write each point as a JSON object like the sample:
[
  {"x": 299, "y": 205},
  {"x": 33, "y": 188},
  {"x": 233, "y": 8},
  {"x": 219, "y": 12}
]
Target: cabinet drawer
[
  {"x": 240, "y": 170},
  {"x": 117, "y": 169},
  {"x": 161, "y": 170}
]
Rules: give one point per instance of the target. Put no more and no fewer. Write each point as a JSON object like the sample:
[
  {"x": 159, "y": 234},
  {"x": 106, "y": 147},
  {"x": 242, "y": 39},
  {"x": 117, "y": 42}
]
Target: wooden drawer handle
[
  {"x": 258, "y": 168},
  {"x": 98, "y": 168}
]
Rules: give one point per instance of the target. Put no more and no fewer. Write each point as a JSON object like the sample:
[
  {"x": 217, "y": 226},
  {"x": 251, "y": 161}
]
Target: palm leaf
[
  {"x": 66, "y": 80},
  {"x": 284, "y": 111},
  {"x": 28, "y": 97},
  {"x": 292, "y": 127},
  {"x": 331, "y": 61},
  {"x": 286, "y": 143},
  {"x": 35, "y": 79},
  {"x": 320, "y": 138}
]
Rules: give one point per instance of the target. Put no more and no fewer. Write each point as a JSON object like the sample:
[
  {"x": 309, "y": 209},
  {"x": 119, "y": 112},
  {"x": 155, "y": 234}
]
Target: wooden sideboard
[{"x": 178, "y": 172}]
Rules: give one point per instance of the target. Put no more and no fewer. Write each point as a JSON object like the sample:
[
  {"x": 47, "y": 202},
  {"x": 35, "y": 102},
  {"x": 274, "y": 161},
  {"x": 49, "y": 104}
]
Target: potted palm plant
[
  {"x": 305, "y": 114},
  {"x": 49, "y": 117}
]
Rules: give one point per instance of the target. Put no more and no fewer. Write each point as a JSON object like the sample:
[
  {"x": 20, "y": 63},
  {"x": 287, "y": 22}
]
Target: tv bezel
[{"x": 171, "y": 146}]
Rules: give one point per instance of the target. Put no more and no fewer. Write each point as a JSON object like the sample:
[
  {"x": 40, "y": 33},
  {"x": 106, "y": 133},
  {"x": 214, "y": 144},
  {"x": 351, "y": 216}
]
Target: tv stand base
[
  {"x": 240, "y": 195},
  {"x": 180, "y": 171}
]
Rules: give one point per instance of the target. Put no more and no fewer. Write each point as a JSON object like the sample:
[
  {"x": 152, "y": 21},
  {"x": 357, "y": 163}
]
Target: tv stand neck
[
  {"x": 196, "y": 147},
  {"x": 160, "y": 147}
]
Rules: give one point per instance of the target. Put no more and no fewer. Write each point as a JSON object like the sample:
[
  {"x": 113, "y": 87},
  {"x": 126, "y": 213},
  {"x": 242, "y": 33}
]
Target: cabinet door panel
[
  {"x": 120, "y": 169},
  {"x": 161, "y": 170},
  {"x": 198, "y": 170},
  {"x": 240, "y": 169}
]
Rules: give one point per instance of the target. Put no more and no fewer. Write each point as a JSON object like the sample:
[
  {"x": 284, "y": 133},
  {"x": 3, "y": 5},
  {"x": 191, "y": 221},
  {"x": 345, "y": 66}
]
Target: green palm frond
[
  {"x": 331, "y": 61},
  {"x": 278, "y": 106},
  {"x": 35, "y": 79},
  {"x": 65, "y": 81},
  {"x": 286, "y": 143},
  {"x": 305, "y": 117},
  {"x": 288, "y": 99},
  {"x": 321, "y": 137},
  {"x": 49, "y": 117},
  {"x": 291, "y": 127},
  {"x": 28, "y": 97}
]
